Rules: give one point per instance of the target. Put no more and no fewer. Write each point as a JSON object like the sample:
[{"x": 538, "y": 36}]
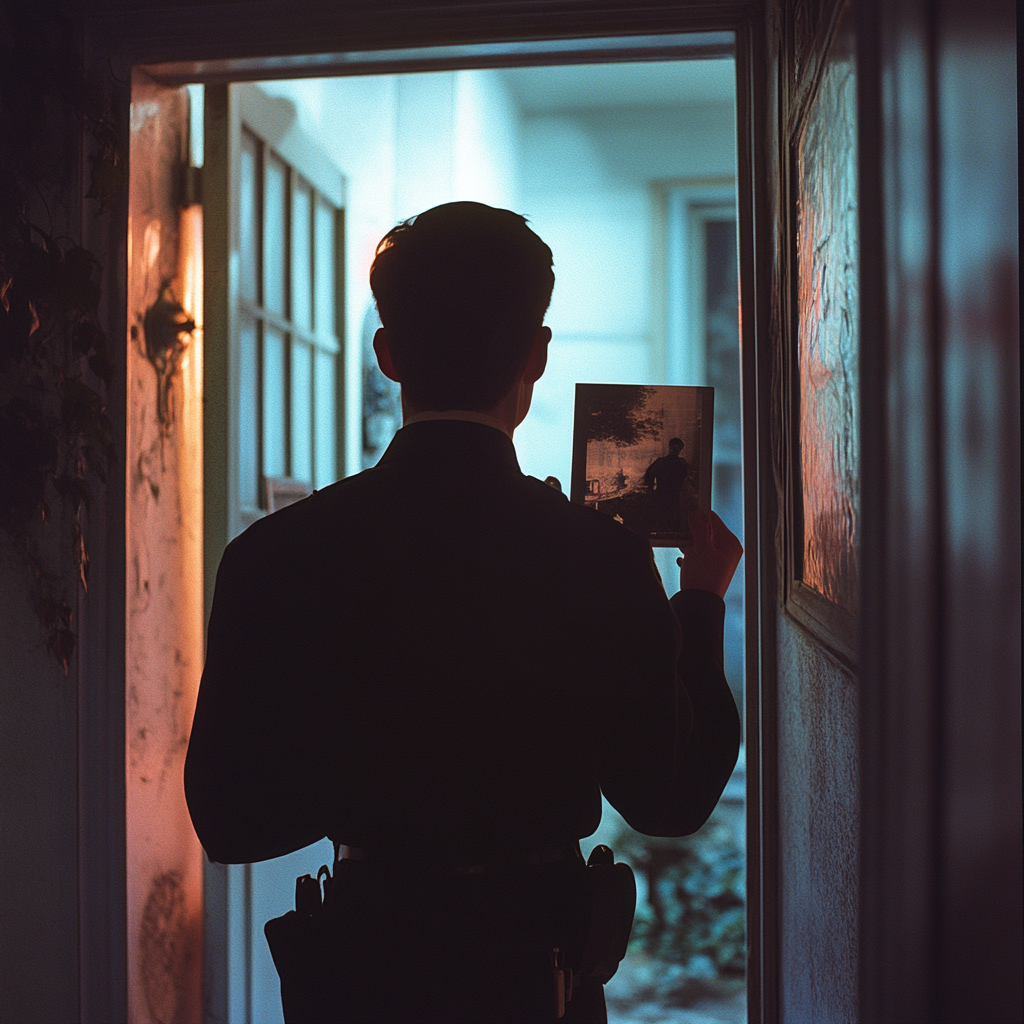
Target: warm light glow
[
  {"x": 190, "y": 445},
  {"x": 164, "y": 584},
  {"x": 191, "y": 259},
  {"x": 828, "y": 302}
]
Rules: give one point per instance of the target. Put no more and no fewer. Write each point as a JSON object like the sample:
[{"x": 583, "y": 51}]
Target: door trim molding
[{"x": 266, "y": 30}]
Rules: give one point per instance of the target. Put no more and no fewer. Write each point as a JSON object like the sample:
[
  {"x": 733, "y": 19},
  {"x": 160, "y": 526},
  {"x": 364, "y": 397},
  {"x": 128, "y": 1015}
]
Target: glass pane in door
[
  {"x": 302, "y": 257},
  {"x": 249, "y": 218},
  {"x": 275, "y": 236},
  {"x": 302, "y": 411},
  {"x": 325, "y": 423},
  {"x": 248, "y": 413},
  {"x": 324, "y": 268},
  {"x": 275, "y": 403}
]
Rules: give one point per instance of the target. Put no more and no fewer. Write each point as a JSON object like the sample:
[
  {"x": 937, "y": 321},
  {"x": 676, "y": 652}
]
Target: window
[{"x": 288, "y": 329}]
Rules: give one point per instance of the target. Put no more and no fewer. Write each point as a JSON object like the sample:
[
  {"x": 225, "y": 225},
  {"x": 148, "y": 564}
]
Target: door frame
[{"x": 258, "y": 40}]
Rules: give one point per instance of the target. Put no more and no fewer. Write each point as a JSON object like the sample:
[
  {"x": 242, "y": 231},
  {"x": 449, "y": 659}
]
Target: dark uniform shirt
[{"x": 443, "y": 654}]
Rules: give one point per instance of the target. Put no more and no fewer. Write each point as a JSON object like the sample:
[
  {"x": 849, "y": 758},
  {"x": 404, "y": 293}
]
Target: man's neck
[
  {"x": 465, "y": 415},
  {"x": 505, "y": 416}
]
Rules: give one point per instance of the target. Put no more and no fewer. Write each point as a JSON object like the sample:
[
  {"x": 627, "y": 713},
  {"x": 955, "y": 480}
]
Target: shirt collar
[{"x": 466, "y": 415}]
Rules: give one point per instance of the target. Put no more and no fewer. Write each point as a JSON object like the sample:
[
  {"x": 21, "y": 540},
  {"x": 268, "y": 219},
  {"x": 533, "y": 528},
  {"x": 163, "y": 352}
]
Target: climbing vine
[{"x": 55, "y": 360}]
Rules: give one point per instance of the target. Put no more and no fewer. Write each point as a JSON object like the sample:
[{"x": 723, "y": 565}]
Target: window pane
[
  {"x": 302, "y": 257},
  {"x": 249, "y": 219},
  {"x": 302, "y": 411},
  {"x": 324, "y": 268},
  {"x": 275, "y": 247},
  {"x": 326, "y": 420},
  {"x": 274, "y": 441},
  {"x": 248, "y": 403}
]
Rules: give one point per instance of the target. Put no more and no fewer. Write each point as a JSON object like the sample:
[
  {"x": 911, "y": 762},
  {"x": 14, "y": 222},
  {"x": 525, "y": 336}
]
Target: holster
[
  {"x": 612, "y": 889},
  {"x": 611, "y": 903},
  {"x": 300, "y": 946}
]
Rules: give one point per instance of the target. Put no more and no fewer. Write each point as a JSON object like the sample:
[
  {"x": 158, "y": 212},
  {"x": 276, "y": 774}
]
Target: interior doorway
[{"x": 628, "y": 170}]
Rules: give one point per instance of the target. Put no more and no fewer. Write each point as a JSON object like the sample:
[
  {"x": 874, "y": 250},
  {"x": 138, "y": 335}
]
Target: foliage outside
[{"x": 689, "y": 934}]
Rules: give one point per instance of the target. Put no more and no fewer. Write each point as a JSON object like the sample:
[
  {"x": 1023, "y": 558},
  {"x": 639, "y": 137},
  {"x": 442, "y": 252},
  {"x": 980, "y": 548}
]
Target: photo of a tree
[
  {"x": 642, "y": 456},
  {"x": 619, "y": 414}
]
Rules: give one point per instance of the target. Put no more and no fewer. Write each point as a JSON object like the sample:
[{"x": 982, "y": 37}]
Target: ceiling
[{"x": 577, "y": 87}]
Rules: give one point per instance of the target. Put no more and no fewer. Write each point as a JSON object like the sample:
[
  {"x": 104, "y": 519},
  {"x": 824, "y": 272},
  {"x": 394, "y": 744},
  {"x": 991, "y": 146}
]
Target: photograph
[{"x": 642, "y": 455}]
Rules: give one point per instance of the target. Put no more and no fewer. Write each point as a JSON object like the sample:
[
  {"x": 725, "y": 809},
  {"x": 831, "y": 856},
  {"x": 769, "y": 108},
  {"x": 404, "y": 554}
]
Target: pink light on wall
[
  {"x": 164, "y": 619},
  {"x": 828, "y": 347}
]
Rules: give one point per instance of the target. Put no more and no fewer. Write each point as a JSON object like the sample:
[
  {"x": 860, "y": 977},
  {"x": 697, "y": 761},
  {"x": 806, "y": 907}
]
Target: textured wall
[
  {"x": 164, "y": 615},
  {"x": 818, "y": 831}
]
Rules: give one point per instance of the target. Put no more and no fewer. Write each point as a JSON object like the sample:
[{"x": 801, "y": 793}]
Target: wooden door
[{"x": 274, "y": 234}]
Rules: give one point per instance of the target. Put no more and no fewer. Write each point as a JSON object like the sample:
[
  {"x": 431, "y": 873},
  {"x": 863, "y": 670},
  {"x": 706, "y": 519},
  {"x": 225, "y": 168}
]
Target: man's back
[{"x": 442, "y": 655}]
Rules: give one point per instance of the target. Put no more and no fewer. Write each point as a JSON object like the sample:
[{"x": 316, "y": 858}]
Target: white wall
[
  {"x": 487, "y": 142},
  {"x": 589, "y": 184},
  {"x": 405, "y": 143}
]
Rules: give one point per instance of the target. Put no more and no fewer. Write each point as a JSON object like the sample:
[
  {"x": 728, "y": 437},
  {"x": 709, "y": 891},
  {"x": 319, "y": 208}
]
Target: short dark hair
[
  {"x": 676, "y": 442},
  {"x": 461, "y": 290}
]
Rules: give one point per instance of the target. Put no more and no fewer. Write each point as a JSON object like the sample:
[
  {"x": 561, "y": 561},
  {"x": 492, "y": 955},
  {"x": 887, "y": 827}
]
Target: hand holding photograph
[{"x": 642, "y": 455}]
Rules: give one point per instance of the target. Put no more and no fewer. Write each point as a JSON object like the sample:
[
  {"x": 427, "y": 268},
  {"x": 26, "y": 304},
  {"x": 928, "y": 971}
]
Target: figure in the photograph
[
  {"x": 440, "y": 664},
  {"x": 620, "y": 479},
  {"x": 671, "y": 484}
]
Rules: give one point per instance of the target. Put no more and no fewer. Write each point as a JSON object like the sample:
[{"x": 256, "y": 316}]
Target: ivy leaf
[
  {"x": 82, "y": 555},
  {"x": 55, "y": 618},
  {"x": 16, "y": 326}
]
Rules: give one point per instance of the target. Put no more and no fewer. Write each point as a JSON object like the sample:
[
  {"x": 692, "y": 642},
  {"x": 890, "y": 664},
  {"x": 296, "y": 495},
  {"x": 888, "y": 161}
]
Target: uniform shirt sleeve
[{"x": 669, "y": 731}]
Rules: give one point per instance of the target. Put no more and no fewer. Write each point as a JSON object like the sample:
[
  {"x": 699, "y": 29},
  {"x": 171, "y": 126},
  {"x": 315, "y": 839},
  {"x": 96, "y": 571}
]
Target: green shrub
[{"x": 694, "y": 915}]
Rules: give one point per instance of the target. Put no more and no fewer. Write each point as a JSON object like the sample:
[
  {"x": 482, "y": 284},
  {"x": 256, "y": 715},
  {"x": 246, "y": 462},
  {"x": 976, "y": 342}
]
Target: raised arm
[{"x": 671, "y": 731}]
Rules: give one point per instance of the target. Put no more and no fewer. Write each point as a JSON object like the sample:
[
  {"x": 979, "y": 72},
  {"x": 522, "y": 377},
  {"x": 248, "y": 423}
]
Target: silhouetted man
[
  {"x": 668, "y": 477},
  {"x": 425, "y": 662}
]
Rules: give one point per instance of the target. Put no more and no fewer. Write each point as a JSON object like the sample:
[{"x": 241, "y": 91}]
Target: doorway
[{"x": 628, "y": 170}]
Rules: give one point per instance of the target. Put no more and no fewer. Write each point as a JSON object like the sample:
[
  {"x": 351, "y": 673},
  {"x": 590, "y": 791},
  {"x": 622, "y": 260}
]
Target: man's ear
[
  {"x": 382, "y": 349},
  {"x": 538, "y": 358}
]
